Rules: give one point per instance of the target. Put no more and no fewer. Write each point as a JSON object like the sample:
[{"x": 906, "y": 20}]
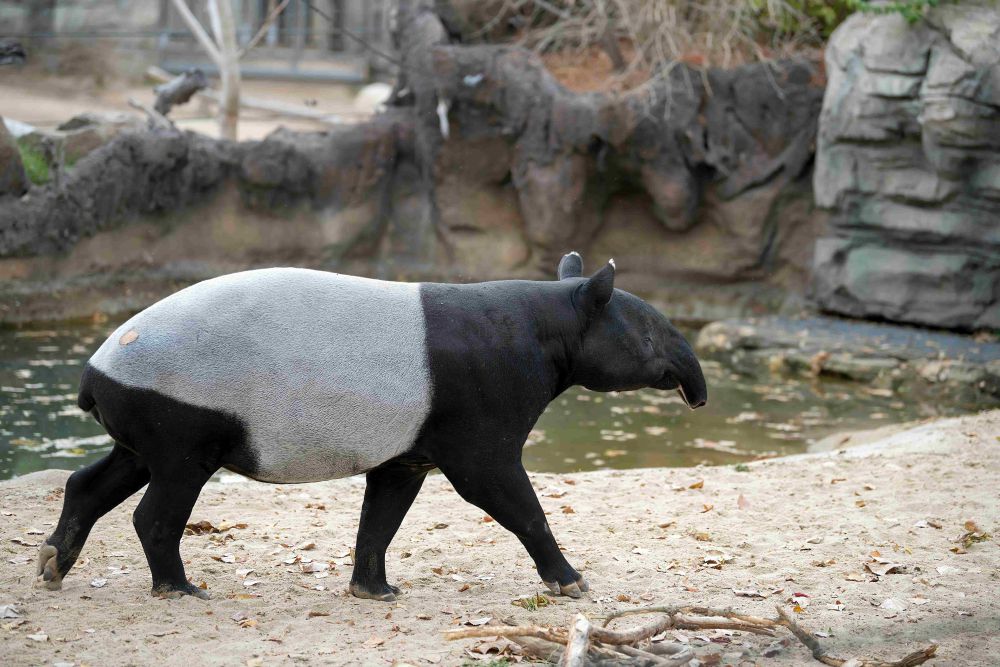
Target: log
[{"x": 179, "y": 90}]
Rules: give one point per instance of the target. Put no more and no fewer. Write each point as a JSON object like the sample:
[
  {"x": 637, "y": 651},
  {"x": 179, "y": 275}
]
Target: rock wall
[
  {"x": 698, "y": 176},
  {"x": 908, "y": 162}
]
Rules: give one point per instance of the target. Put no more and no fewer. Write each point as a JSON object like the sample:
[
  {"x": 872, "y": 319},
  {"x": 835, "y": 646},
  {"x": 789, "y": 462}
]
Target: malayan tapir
[{"x": 293, "y": 375}]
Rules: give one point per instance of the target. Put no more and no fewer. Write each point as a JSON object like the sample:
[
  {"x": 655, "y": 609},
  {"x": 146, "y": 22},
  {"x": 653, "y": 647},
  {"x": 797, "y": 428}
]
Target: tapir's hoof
[
  {"x": 384, "y": 593},
  {"x": 172, "y": 592},
  {"x": 573, "y": 590},
  {"x": 48, "y": 570}
]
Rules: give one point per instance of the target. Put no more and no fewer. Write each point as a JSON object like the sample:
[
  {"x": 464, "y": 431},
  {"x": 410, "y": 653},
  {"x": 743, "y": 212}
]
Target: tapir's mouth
[
  {"x": 680, "y": 390},
  {"x": 668, "y": 383},
  {"x": 684, "y": 397}
]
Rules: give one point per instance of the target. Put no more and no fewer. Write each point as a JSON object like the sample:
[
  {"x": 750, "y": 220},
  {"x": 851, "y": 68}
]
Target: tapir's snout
[
  {"x": 693, "y": 389},
  {"x": 702, "y": 400},
  {"x": 685, "y": 375}
]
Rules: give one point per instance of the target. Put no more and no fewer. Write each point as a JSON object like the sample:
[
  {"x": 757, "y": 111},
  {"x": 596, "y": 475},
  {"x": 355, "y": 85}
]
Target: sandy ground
[{"x": 806, "y": 524}]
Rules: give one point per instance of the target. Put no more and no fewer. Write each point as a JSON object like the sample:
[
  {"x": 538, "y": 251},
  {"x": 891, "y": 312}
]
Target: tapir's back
[{"x": 327, "y": 373}]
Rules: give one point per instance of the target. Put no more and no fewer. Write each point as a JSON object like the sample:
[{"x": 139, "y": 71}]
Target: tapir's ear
[
  {"x": 570, "y": 266},
  {"x": 596, "y": 292}
]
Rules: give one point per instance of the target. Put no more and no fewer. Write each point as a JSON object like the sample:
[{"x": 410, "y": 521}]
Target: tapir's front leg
[
  {"x": 505, "y": 493},
  {"x": 389, "y": 493}
]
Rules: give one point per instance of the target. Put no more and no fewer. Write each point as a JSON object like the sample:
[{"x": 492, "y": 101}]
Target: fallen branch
[
  {"x": 584, "y": 644},
  {"x": 558, "y": 635},
  {"x": 686, "y": 623},
  {"x": 577, "y": 644},
  {"x": 634, "y": 635},
  {"x": 807, "y": 638},
  {"x": 819, "y": 652},
  {"x": 728, "y": 613},
  {"x": 761, "y": 626}
]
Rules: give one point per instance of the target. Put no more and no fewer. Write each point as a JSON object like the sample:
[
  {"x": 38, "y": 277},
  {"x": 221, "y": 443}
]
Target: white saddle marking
[{"x": 327, "y": 372}]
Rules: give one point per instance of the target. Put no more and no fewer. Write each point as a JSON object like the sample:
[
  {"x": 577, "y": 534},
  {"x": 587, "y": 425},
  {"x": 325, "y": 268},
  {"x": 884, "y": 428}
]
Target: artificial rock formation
[
  {"x": 909, "y": 163},
  {"x": 687, "y": 176}
]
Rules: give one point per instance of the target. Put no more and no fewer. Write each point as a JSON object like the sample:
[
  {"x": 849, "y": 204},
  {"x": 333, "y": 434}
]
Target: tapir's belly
[{"x": 327, "y": 373}]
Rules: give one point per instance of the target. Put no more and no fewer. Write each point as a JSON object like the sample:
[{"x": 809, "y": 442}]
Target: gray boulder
[{"x": 908, "y": 162}]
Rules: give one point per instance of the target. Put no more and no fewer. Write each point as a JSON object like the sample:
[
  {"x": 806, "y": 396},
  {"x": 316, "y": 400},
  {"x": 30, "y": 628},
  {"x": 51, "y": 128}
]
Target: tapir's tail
[{"x": 85, "y": 400}]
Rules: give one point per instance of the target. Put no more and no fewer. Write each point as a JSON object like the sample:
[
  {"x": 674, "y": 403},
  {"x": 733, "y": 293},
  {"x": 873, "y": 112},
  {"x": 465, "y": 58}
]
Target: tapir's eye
[{"x": 648, "y": 342}]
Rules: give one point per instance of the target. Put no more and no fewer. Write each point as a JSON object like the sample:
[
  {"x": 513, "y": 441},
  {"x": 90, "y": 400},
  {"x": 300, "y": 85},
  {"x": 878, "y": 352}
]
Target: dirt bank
[{"x": 804, "y": 525}]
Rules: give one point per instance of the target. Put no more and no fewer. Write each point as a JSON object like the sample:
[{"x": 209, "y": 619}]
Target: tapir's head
[{"x": 628, "y": 344}]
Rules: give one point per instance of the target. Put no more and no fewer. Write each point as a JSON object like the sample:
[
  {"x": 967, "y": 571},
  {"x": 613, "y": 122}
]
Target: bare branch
[
  {"x": 685, "y": 623},
  {"x": 583, "y": 641},
  {"x": 807, "y": 639},
  {"x": 215, "y": 20},
  {"x": 264, "y": 27},
  {"x": 819, "y": 652},
  {"x": 199, "y": 32},
  {"x": 634, "y": 635},
  {"x": 155, "y": 118}
]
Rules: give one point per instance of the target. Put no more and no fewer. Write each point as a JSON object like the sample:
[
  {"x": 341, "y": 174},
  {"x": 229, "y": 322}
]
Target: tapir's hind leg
[
  {"x": 160, "y": 519},
  {"x": 389, "y": 493},
  {"x": 182, "y": 445},
  {"x": 91, "y": 493}
]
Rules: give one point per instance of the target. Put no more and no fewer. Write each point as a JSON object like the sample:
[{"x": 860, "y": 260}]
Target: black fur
[
  {"x": 161, "y": 429},
  {"x": 499, "y": 353},
  {"x": 173, "y": 446}
]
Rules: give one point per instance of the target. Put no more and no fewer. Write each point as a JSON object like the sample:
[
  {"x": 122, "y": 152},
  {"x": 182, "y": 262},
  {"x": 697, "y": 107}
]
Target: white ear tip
[
  {"x": 574, "y": 253},
  {"x": 612, "y": 263}
]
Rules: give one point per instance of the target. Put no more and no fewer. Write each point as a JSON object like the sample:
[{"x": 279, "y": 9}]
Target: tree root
[{"x": 585, "y": 644}]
